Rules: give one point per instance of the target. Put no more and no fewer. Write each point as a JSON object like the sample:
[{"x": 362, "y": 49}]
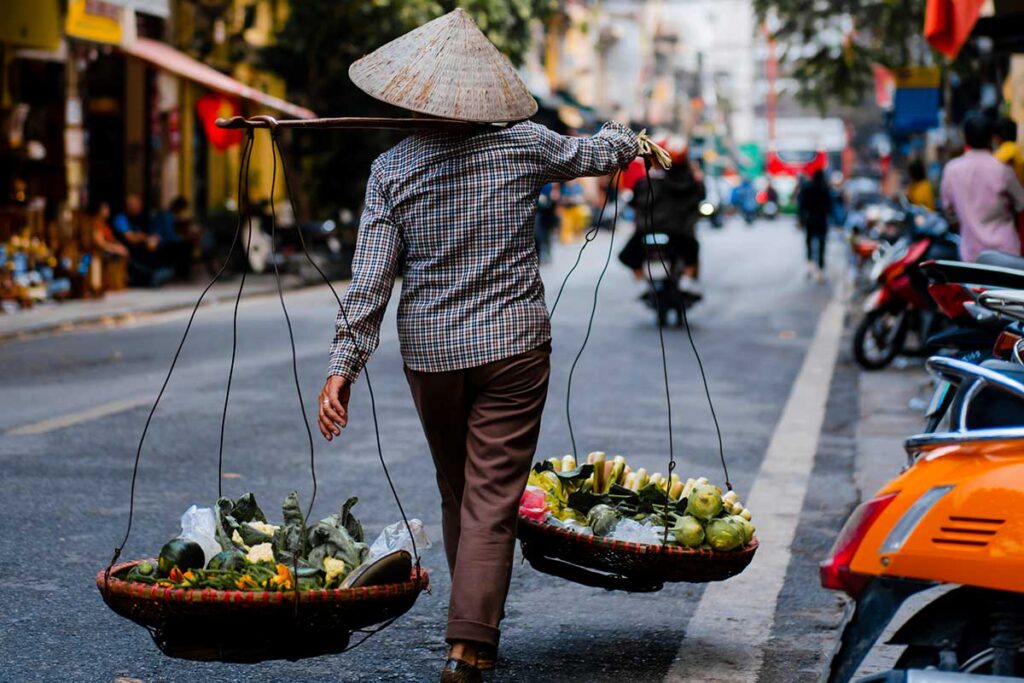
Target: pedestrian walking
[
  {"x": 472, "y": 320},
  {"x": 814, "y": 205},
  {"x": 983, "y": 194}
]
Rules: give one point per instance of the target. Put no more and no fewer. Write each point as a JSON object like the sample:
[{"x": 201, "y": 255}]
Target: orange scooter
[{"x": 949, "y": 530}]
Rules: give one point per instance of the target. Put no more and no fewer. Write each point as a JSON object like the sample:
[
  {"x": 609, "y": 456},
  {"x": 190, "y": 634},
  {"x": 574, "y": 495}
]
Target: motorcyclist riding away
[{"x": 679, "y": 193}]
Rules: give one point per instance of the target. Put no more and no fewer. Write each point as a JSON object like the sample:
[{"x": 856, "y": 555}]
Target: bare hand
[{"x": 333, "y": 401}]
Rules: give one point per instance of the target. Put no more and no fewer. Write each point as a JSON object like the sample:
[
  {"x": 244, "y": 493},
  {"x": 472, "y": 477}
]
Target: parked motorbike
[
  {"x": 983, "y": 326},
  {"x": 900, "y": 302},
  {"x": 947, "y": 532}
]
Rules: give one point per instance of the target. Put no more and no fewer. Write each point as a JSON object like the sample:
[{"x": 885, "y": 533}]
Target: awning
[{"x": 163, "y": 56}]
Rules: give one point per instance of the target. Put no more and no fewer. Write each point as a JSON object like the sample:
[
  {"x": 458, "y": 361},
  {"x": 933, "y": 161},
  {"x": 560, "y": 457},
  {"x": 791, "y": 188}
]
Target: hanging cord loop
[
  {"x": 246, "y": 152},
  {"x": 693, "y": 344},
  {"x": 589, "y": 237},
  {"x": 243, "y": 210},
  {"x": 613, "y": 188},
  {"x": 363, "y": 357}
]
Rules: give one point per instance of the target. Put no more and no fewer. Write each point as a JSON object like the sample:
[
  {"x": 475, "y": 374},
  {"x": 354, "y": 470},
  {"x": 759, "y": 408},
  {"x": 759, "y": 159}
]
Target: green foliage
[
  {"x": 831, "y": 45},
  {"x": 313, "y": 51}
]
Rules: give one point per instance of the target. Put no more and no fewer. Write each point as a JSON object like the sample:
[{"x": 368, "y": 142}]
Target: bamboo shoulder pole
[{"x": 356, "y": 122}]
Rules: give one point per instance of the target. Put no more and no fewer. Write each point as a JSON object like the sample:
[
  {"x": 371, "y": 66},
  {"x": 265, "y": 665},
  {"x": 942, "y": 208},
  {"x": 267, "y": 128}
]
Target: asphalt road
[{"x": 72, "y": 406}]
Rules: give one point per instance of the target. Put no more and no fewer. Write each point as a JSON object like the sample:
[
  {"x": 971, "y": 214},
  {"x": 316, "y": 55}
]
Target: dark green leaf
[{"x": 247, "y": 510}]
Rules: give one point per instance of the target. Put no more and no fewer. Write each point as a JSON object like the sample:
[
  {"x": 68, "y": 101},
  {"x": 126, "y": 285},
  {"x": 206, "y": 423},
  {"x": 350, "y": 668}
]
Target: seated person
[
  {"x": 146, "y": 264},
  {"x": 177, "y": 243},
  {"x": 102, "y": 234}
]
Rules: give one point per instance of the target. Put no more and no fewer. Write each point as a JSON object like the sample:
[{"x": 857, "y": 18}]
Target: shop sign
[
  {"x": 916, "y": 100},
  {"x": 32, "y": 24},
  {"x": 100, "y": 22},
  {"x": 157, "y": 8}
]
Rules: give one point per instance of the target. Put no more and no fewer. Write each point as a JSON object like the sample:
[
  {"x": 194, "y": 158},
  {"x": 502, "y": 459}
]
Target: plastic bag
[
  {"x": 533, "y": 505},
  {"x": 396, "y": 537},
  {"x": 200, "y": 526},
  {"x": 632, "y": 531}
]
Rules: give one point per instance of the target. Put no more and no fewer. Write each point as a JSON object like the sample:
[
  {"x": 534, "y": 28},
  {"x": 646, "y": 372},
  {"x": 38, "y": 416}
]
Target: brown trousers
[{"x": 482, "y": 426}]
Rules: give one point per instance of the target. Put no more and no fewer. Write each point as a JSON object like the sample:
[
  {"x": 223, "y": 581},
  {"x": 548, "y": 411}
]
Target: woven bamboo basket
[
  {"x": 253, "y": 626},
  {"x": 619, "y": 565}
]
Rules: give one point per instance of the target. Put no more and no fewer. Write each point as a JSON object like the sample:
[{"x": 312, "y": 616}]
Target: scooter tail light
[
  {"x": 951, "y": 299},
  {"x": 911, "y": 518},
  {"x": 1004, "y": 344},
  {"x": 835, "y": 572}
]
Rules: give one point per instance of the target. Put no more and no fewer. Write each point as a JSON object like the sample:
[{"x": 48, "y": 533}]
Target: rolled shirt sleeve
[
  {"x": 566, "y": 157},
  {"x": 374, "y": 266}
]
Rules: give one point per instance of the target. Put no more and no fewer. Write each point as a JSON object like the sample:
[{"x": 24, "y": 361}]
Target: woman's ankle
[{"x": 464, "y": 651}]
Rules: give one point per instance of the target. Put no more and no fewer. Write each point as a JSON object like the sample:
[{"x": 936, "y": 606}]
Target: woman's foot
[{"x": 458, "y": 671}]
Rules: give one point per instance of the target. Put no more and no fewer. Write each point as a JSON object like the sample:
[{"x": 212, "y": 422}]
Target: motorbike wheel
[{"x": 879, "y": 338}]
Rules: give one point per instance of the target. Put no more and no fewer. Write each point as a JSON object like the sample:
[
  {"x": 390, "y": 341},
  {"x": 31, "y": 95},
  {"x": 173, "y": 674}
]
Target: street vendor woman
[{"x": 456, "y": 210}]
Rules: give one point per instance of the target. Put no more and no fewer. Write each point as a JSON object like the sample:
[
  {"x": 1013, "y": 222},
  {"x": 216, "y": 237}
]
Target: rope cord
[
  {"x": 590, "y": 236},
  {"x": 696, "y": 355},
  {"x": 291, "y": 333},
  {"x": 243, "y": 210},
  {"x": 348, "y": 326},
  {"x": 174, "y": 361},
  {"x": 649, "y": 223},
  {"x": 612, "y": 188}
]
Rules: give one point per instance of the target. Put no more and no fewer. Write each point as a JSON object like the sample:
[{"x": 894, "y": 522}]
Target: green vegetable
[
  {"x": 705, "y": 501},
  {"x": 179, "y": 553},
  {"x": 688, "y": 532},
  {"x": 145, "y": 568},
  {"x": 723, "y": 534},
  {"x": 290, "y": 539},
  {"x": 602, "y": 519},
  {"x": 745, "y": 526},
  {"x": 229, "y": 560}
]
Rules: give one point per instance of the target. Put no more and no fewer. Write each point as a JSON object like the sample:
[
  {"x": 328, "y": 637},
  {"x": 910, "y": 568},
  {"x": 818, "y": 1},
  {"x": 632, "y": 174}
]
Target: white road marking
[
  {"x": 87, "y": 415},
  {"x": 726, "y": 636}
]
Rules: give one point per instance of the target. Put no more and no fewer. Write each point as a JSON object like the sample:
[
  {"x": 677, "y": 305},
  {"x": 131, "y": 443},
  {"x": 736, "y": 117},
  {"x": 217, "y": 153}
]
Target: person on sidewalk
[
  {"x": 814, "y": 206},
  {"x": 145, "y": 263},
  {"x": 983, "y": 194},
  {"x": 472, "y": 320}
]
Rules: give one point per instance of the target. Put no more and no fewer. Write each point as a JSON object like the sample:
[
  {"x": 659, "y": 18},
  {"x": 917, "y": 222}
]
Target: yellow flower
[
  {"x": 283, "y": 578},
  {"x": 247, "y": 583},
  {"x": 335, "y": 569}
]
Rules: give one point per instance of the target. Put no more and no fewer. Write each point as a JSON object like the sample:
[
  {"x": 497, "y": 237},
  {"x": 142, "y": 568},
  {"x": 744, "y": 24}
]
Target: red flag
[
  {"x": 210, "y": 108},
  {"x": 948, "y": 23}
]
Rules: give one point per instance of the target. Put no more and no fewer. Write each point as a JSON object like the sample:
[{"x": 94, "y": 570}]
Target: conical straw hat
[{"x": 446, "y": 68}]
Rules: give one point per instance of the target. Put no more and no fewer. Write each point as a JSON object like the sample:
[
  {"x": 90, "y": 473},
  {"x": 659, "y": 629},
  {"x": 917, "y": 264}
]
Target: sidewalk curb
[{"x": 95, "y": 320}]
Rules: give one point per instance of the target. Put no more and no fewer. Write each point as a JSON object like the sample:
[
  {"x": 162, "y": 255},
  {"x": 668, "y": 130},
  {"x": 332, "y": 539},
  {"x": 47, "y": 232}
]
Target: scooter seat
[{"x": 993, "y": 408}]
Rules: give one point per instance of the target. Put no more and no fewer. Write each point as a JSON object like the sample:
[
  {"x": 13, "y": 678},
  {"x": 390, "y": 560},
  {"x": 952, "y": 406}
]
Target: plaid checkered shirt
[{"x": 460, "y": 209}]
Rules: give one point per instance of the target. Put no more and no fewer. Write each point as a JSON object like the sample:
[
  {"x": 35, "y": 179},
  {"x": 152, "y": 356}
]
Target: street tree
[{"x": 831, "y": 46}]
